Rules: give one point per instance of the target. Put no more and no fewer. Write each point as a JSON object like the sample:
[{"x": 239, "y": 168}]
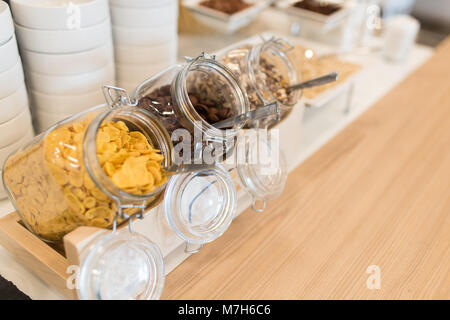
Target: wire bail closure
[
  {"x": 121, "y": 214},
  {"x": 203, "y": 55},
  {"x": 117, "y": 97}
]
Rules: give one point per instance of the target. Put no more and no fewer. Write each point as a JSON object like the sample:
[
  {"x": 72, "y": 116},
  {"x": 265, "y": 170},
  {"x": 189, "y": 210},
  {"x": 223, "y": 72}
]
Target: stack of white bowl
[
  {"x": 145, "y": 38},
  {"x": 15, "y": 118},
  {"x": 66, "y": 47}
]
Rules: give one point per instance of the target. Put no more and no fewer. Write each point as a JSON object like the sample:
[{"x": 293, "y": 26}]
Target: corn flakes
[{"x": 55, "y": 194}]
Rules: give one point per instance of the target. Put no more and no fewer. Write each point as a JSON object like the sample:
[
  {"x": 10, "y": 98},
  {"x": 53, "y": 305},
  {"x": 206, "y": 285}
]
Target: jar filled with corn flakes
[
  {"x": 188, "y": 99},
  {"x": 266, "y": 69},
  {"x": 96, "y": 168}
]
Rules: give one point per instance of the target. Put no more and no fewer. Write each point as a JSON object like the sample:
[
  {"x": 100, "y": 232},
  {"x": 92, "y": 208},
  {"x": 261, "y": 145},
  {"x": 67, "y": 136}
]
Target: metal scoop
[
  {"x": 330, "y": 77},
  {"x": 259, "y": 113}
]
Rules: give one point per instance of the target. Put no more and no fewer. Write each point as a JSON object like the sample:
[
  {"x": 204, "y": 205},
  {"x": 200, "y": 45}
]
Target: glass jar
[
  {"x": 200, "y": 206},
  {"x": 122, "y": 265},
  {"x": 266, "y": 70},
  {"x": 193, "y": 96},
  {"x": 259, "y": 166},
  {"x": 80, "y": 172}
]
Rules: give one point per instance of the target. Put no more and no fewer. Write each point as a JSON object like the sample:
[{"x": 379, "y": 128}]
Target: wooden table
[{"x": 378, "y": 194}]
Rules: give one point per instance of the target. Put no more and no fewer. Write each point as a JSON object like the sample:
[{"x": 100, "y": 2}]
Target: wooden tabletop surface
[{"x": 374, "y": 201}]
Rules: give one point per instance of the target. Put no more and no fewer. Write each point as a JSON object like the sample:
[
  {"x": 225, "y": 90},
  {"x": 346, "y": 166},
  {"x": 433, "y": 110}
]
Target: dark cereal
[{"x": 228, "y": 6}]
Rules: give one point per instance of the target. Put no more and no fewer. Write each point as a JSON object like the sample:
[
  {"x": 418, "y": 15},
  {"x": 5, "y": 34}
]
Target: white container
[
  {"x": 132, "y": 73},
  {"x": 14, "y": 104},
  {"x": 69, "y": 63},
  {"x": 24, "y": 138},
  {"x": 15, "y": 128},
  {"x": 125, "y": 36},
  {"x": 164, "y": 53},
  {"x": 66, "y": 104},
  {"x": 11, "y": 79},
  {"x": 338, "y": 29},
  {"x": 144, "y": 17},
  {"x": 141, "y": 3},
  {"x": 401, "y": 33},
  {"x": 59, "y": 14},
  {"x": 324, "y": 22},
  {"x": 9, "y": 54},
  {"x": 64, "y": 41},
  {"x": 74, "y": 84},
  {"x": 223, "y": 22},
  {"x": 6, "y": 23}
]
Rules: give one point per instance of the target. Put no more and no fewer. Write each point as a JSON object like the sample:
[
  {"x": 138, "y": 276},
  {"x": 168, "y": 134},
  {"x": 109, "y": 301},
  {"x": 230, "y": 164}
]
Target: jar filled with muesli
[
  {"x": 266, "y": 70},
  {"x": 188, "y": 99},
  {"x": 97, "y": 168}
]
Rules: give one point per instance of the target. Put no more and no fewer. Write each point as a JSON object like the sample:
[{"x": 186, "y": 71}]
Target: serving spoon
[
  {"x": 319, "y": 81},
  {"x": 269, "y": 110},
  {"x": 273, "y": 109}
]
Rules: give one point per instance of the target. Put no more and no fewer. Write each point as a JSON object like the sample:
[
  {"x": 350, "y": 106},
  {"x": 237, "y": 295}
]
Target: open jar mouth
[
  {"x": 208, "y": 77},
  {"x": 136, "y": 119},
  {"x": 200, "y": 206},
  {"x": 278, "y": 54}
]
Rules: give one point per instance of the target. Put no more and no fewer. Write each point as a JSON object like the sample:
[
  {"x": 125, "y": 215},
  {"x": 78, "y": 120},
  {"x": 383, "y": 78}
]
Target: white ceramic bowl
[
  {"x": 125, "y": 36},
  {"x": 74, "y": 84},
  {"x": 11, "y": 79},
  {"x": 313, "y": 20},
  {"x": 141, "y": 3},
  {"x": 162, "y": 53},
  {"x": 15, "y": 128},
  {"x": 64, "y": 41},
  {"x": 130, "y": 73},
  {"x": 59, "y": 14},
  {"x": 9, "y": 54},
  {"x": 27, "y": 135},
  {"x": 223, "y": 22},
  {"x": 44, "y": 120},
  {"x": 6, "y": 23},
  {"x": 69, "y": 63},
  {"x": 144, "y": 17},
  {"x": 14, "y": 104},
  {"x": 65, "y": 104}
]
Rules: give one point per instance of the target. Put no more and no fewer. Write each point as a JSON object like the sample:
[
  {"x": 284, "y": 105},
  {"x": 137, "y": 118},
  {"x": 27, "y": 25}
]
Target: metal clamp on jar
[{"x": 266, "y": 70}]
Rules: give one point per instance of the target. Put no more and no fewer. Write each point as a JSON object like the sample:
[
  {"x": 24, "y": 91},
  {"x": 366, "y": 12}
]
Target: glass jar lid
[
  {"x": 122, "y": 266},
  {"x": 261, "y": 166},
  {"x": 200, "y": 206}
]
